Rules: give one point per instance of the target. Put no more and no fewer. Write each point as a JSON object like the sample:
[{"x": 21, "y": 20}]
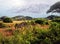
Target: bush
[
  {"x": 7, "y": 20},
  {"x": 39, "y": 21},
  {"x": 55, "y": 20},
  {"x": 47, "y": 23},
  {"x": 34, "y": 35}
]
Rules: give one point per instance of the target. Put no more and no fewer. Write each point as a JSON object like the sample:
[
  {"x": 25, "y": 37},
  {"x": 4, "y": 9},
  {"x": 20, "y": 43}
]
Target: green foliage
[
  {"x": 42, "y": 21},
  {"x": 7, "y": 20},
  {"x": 39, "y": 21},
  {"x": 56, "y": 20},
  {"x": 34, "y": 35}
]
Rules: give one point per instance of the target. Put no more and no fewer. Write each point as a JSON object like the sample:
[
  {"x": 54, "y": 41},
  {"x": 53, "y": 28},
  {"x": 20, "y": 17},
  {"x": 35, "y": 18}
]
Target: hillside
[
  {"x": 22, "y": 17},
  {"x": 51, "y": 17}
]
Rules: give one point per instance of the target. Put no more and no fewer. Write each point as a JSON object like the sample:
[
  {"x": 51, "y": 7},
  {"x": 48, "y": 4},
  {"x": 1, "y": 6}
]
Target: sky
[{"x": 33, "y": 8}]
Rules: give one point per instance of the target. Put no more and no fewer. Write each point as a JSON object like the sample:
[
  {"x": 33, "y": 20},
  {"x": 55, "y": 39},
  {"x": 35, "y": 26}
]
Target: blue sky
[{"x": 34, "y": 8}]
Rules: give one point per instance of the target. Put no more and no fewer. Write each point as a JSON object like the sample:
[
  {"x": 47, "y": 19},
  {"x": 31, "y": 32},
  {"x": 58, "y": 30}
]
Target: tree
[
  {"x": 54, "y": 8},
  {"x": 39, "y": 21},
  {"x": 7, "y": 20}
]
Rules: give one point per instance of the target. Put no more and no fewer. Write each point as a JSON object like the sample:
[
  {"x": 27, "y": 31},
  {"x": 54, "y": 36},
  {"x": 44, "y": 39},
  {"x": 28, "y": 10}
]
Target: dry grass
[
  {"x": 1, "y": 21},
  {"x": 11, "y": 26}
]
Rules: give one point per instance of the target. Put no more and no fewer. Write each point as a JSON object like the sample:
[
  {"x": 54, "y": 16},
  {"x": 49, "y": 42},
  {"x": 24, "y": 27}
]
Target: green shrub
[
  {"x": 7, "y": 20},
  {"x": 46, "y": 22},
  {"x": 39, "y": 21},
  {"x": 34, "y": 35},
  {"x": 56, "y": 20}
]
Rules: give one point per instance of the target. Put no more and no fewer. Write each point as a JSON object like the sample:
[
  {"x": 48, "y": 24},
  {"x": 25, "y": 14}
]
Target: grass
[
  {"x": 30, "y": 33},
  {"x": 11, "y": 26}
]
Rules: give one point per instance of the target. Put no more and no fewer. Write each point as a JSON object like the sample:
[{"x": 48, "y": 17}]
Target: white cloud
[
  {"x": 6, "y": 5},
  {"x": 20, "y": 3}
]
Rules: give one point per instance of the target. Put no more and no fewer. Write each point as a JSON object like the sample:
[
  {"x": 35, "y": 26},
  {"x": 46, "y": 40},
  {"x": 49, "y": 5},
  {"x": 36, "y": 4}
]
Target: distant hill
[
  {"x": 22, "y": 18},
  {"x": 51, "y": 17}
]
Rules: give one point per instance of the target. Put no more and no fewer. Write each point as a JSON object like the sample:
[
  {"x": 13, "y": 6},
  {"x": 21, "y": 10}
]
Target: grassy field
[
  {"x": 30, "y": 32},
  {"x": 12, "y": 25}
]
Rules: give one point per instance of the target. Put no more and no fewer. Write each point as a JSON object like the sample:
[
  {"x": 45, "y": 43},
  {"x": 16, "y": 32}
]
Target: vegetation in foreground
[
  {"x": 31, "y": 31},
  {"x": 37, "y": 31}
]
